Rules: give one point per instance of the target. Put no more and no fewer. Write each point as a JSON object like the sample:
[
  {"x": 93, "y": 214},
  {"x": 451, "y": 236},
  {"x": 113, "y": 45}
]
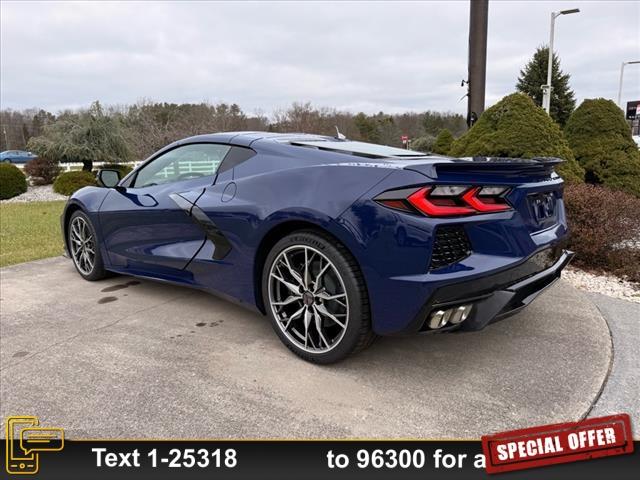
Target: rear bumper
[{"x": 495, "y": 296}]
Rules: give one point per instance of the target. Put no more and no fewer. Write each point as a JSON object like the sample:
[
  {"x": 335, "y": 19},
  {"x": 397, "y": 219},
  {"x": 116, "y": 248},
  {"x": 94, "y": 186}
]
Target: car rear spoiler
[
  {"x": 503, "y": 166},
  {"x": 533, "y": 160}
]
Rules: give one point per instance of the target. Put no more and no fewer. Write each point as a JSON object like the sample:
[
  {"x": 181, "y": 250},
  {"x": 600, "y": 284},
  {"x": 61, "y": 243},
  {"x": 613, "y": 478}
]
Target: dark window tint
[{"x": 236, "y": 156}]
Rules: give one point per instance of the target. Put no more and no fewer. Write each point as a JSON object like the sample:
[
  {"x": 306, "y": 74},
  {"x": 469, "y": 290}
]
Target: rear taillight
[
  {"x": 447, "y": 200},
  {"x": 438, "y": 206},
  {"x": 483, "y": 202}
]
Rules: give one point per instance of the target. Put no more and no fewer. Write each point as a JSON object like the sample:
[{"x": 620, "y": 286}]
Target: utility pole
[{"x": 478, "y": 20}]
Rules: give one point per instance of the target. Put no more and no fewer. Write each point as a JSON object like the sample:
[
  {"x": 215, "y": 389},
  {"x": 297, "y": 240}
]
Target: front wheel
[
  {"x": 316, "y": 298},
  {"x": 83, "y": 247}
]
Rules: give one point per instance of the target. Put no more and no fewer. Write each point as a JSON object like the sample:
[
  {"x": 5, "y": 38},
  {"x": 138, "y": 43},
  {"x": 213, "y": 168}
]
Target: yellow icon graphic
[{"x": 25, "y": 440}]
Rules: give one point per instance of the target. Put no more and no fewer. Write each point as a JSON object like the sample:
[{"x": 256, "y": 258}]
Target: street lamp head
[{"x": 567, "y": 12}]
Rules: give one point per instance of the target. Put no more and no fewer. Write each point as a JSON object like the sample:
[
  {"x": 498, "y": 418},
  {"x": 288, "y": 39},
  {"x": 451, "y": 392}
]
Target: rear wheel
[
  {"x": 316, "y": 298},
  {"x": 84, "y": 248}
]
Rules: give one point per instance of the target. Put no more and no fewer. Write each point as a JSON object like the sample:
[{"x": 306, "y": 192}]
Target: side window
[
  {"x": 236, "y": 156},
  {"x": 182, "y": 163}
]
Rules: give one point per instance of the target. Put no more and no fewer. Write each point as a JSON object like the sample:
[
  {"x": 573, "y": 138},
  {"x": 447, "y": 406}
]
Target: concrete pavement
[
  {"x": 621, "y": 392},
  {"x": 126, "y": 358}
]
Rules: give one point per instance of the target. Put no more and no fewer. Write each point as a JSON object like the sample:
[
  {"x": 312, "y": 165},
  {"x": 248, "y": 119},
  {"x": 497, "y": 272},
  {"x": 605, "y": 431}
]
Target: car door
[{"x": 146, "y": 226}]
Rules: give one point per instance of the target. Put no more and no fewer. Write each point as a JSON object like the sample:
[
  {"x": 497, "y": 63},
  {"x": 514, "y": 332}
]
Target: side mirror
[{"x": 109, "y": 178}]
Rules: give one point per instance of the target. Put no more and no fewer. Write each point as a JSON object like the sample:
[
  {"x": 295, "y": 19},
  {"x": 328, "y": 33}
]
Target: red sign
[
  {"x": 404, "y": 138},
  {"x": 559, "y": 443}
]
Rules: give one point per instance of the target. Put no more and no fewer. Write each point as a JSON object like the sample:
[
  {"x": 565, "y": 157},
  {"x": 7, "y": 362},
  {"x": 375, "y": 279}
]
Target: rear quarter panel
[{"x": 268, "y": 198}]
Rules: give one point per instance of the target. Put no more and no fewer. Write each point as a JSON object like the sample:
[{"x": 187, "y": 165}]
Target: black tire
[
  {"x": 97, "y": 272},
  {"x": 358, "y": 334}
]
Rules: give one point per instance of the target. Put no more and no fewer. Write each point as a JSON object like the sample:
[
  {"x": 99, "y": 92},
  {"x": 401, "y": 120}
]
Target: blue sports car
[{"x": 336, "y": 241}]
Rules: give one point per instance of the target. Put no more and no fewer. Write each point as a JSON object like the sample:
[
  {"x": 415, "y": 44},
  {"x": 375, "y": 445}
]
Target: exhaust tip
[
  {"x": 439, "y": 319},
  {"x": 452, "y": 316},
  {"x": 460, "y": 314}
]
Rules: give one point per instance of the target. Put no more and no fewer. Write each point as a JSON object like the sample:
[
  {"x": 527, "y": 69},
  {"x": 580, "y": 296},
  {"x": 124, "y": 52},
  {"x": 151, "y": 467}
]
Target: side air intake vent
[{"x": 451, "y": 245}]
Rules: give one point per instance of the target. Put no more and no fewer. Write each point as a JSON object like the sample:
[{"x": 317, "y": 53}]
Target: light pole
[
  {"x": 621, "y": 74},
  {"x": 546, "y": 89}
]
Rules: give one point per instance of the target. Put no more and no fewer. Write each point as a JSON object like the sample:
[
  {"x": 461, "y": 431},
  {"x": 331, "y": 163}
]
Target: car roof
[
  {"x": 307, "y": 140},
  {"x": 250, "y": 137}
]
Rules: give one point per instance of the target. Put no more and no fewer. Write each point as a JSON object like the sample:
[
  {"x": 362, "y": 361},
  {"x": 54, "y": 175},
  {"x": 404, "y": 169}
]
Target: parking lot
[{"x": 127, "y": 358}]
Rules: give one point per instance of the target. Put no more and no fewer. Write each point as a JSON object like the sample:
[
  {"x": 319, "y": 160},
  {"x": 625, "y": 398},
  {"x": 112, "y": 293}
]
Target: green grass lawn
[{"x": 29, "y": 231}]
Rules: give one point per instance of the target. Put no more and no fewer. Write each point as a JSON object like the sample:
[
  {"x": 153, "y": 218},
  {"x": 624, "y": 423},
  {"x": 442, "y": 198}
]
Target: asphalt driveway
[{"x": 137, "y": 359}]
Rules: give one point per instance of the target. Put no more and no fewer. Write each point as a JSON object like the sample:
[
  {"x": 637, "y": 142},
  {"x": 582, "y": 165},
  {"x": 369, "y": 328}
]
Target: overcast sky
[{"x": 358, "y": 56}]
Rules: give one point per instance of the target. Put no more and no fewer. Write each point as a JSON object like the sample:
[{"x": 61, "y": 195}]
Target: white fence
[
  {"x": 68, "y": 167},
  {"x": 205, "y": 167}
]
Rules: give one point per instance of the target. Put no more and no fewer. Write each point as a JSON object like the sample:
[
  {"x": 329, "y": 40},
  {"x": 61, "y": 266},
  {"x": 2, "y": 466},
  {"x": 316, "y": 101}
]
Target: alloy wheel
[
  {"x": 308, "y": 299},
  {"x": 83, "y": 245}
]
